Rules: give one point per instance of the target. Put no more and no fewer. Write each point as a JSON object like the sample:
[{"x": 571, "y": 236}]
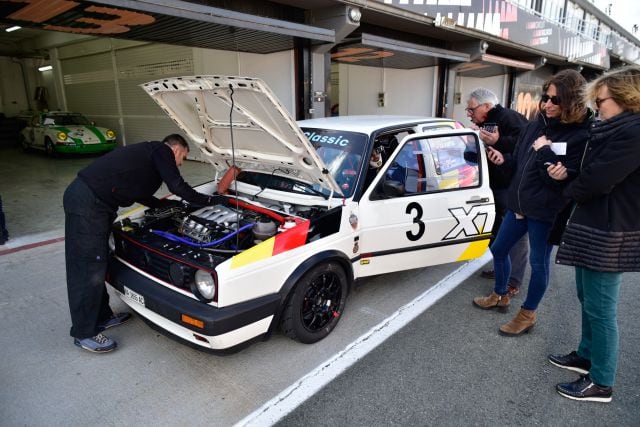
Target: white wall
[
  {"x": 407, "y": 92},
  {"x": 13, "y": 96},
  {"x": 496, "y": 84},
  {"x": 276, "y": 69}
]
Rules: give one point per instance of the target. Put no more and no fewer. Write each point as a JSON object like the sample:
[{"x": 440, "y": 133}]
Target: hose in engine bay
[{"x": 174, "y": 238}]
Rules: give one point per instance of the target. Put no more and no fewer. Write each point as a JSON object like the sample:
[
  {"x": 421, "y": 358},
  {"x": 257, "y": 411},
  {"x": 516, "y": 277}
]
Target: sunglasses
[
  {"x": 554, "y": 99},
  {"x": 600, "y": 101}
]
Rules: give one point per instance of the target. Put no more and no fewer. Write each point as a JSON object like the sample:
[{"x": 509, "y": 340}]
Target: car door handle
[{"x": 475, "y": 200}]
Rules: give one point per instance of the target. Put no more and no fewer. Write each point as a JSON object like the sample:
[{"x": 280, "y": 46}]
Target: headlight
[
  {"x": 204, "y": 286},
  {"x": 110, "y": 134},
  {"x": 62, "y": 136}
]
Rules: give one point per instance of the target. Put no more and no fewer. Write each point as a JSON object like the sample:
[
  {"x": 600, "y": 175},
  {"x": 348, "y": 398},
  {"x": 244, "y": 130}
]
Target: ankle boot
[
  {"x": 499, "y": 302},
  {"x": 523, "y": 322}
]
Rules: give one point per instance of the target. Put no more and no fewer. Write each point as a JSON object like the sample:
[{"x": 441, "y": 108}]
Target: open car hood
[{"x": 263, "y": 135}]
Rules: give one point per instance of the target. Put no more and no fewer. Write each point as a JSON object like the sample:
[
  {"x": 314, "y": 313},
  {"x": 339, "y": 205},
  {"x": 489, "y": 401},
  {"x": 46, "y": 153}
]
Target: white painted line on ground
[{"x": 289, "y": 399}]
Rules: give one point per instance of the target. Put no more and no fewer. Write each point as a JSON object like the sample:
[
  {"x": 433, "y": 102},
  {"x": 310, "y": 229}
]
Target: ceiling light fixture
[
  {"x": 354, "y": 15},
  {"x": 14, "y": 28},
  {"x": 45, "y": 68}
]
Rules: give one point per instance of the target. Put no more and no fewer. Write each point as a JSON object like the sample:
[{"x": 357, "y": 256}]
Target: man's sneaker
[
  {"x": 488, "y": 274},
  {"x": 585, "y": 389},
  {"x": 512, "y": 291},
  {"x": 115, "y": 320},
  {"x": 98, "y": 344},
  {"x": 571, "y": 361}
]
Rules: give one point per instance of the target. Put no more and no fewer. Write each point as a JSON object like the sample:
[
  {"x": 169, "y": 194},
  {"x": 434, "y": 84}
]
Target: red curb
[{"x": 31, "y": 246}]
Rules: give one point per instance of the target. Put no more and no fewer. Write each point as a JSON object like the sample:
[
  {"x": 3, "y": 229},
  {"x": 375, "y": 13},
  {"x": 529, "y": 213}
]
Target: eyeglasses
[
  {"x": 472, "y": 110},
  {"x": 554, "y": 99},
  {"x": 601, "y": 100}
]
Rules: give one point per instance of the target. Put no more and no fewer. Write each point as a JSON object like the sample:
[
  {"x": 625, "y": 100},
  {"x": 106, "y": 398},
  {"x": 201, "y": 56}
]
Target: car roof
[{"x": 367, "y": 124}]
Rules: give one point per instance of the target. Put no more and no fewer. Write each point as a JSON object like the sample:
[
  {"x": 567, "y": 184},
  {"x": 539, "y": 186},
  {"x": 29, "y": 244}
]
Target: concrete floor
[{"x": 32, "y": 184}]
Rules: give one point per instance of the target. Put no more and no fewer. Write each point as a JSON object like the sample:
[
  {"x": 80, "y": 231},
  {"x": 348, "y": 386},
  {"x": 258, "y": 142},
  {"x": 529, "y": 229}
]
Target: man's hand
[
  {"x": 489, "y": 138},
  {"x": 495, "y": 156}
]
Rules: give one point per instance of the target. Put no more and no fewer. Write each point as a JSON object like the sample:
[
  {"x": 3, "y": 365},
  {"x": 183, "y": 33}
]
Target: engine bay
[{"x": 223, "y": 229}]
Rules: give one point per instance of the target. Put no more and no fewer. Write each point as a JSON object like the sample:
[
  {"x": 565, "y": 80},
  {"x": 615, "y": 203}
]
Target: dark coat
[
  {"x": 134, "y": 173},
  {"x": 603, "y": 232},
  {"x": 532, "y": 192},
  {"x": 510, "y": 124}
]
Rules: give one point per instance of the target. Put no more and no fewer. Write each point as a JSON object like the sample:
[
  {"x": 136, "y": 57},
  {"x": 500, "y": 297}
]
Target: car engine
[{"x": 220, "y": 228}]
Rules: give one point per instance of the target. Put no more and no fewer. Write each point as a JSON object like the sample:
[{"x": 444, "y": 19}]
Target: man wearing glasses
[{"x": 499, "y": 129}]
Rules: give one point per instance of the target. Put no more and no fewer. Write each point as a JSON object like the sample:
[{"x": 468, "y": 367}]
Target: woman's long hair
[{"x": 570, "y": 87}]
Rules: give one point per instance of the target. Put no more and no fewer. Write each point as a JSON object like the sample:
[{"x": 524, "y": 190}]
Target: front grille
[{"x": 153, "y": 263}]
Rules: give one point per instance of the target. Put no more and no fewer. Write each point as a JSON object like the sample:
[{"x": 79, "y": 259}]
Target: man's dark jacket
[
  {"x": 603, "y": 232},
  {"x": 510, "y": 124},
  {"x": 134, "y": 173},
  {"x": 532, "y": 192}
]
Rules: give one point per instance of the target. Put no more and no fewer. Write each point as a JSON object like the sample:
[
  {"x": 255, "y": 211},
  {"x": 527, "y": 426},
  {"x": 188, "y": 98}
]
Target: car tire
[
  {"x": 48, "y": 148},
  {"x": 316, "y": 304}
]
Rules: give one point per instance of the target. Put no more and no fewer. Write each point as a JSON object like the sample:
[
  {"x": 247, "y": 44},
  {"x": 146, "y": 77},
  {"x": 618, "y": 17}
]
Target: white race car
[{"x": 307, "y": 214}]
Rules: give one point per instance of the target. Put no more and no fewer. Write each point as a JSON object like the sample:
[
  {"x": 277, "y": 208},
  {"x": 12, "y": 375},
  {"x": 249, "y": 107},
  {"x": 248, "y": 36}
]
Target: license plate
[{"x": 134, "y": 296}]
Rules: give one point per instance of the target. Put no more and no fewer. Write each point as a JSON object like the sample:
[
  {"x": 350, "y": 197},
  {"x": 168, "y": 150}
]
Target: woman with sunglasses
[
  {"x": 602, "y": 237},
  {"x": 534, "y": 198}
]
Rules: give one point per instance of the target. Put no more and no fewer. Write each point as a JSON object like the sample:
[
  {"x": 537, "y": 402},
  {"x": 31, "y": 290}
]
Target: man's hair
[
  {"x": 175, "y": 139},
  {"x": 624, "y": 87},
  {"x": 570, "y": 87},
  {"x": 483, "y": 96}
]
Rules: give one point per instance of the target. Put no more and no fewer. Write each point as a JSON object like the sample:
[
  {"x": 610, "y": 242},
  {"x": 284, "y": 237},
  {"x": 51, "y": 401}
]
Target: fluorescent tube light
[{"x": 45, "y": 68}]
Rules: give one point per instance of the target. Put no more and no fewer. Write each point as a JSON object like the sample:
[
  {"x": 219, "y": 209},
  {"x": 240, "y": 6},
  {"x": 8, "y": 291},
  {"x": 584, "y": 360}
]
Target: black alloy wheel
[{"x": 316, "y": 304}]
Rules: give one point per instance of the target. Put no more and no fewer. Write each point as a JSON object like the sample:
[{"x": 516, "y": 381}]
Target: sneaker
[
  {"x": 115, "y": 320},
  {"x": 585, "y": 389},
  {"x": 512, "y": 291},
  {"x": 98, "y": 344},
  {"x": 571, "y": 361}
]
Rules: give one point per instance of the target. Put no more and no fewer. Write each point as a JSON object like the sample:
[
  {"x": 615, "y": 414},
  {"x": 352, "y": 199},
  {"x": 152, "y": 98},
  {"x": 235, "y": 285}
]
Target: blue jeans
[
  {"x": 510, "y": 232},
  {"x": 598, "y": 294}
]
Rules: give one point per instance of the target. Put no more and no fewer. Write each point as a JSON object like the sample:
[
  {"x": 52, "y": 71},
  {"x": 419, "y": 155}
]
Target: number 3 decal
[{"x": 417, "y": 219}]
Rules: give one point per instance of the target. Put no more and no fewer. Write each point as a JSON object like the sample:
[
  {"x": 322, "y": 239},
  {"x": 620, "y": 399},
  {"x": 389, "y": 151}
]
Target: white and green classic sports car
[{"x": 60, "y": 132}]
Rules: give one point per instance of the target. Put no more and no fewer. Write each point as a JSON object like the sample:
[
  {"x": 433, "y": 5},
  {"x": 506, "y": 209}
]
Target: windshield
[
  {"x": 66, "y": 119},
  {"x": 342, "y": 153}
]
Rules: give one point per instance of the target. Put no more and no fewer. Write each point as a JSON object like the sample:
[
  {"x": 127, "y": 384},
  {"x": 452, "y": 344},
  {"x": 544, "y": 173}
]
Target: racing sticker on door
[{"x": 469, "y": 223}]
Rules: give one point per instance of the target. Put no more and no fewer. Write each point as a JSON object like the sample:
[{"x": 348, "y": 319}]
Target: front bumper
[
  {"x": 224, "y": 328},
  {"x": 85, "y": 148}
]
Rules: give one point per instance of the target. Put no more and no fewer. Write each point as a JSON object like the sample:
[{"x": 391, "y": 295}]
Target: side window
[
  {"x": 433, "y": 164},
  {"x": 383, "y": 147}
]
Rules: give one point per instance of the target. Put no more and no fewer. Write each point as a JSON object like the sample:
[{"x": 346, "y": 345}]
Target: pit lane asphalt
[
  {"x": 447, "y": 367},
  {"x": 451, "y": 367}
]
